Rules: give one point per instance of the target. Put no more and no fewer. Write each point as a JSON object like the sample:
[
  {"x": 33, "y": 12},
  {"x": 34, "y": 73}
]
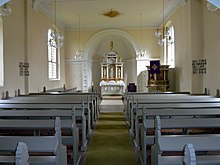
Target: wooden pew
[
  {"x": 36, "y": 126},
  {"x": 130, "y": 96},
  {"x": 39, "y": 145},
  {"x": 61, "y": 89},
  {"x": 185, "y": 122},
  {"x": 136, "y": 99},
  {"x": 63, "y": 108},
  {"x": 93, "y": 96},
  {"x": 190, "y": 102},
  {"x": 92, "y": 99},
  {"x": 171, "y": 143},
  {"x": 60, "y": 99},
  {"x": 165, "y": 98},
  {"x": 35, "y": 121},
  {"x": 20, "y": 158}
]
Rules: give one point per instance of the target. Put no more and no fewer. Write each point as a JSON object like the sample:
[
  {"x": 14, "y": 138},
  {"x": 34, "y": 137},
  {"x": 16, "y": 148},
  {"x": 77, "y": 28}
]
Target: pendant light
[
  {"x": 56, "y": 36},
  {"x": 141, "y": 54},
  {"x": 163, "y": 34},
  {"x": 79, "y": 53}
]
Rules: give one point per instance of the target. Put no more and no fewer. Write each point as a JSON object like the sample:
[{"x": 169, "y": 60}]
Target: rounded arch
[
  {"x": 99, "y": 44},
  {"x": 105, "y": 36}
]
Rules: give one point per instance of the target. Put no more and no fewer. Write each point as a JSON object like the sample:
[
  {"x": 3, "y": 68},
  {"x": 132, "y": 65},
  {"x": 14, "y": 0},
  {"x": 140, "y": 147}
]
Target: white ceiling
[{"x": 88, "y": 12}]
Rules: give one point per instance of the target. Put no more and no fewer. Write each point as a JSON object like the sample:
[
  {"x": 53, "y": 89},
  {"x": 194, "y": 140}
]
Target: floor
[
  {"x": 111, "y": 104},
  {"x": 108, "y": 104}
]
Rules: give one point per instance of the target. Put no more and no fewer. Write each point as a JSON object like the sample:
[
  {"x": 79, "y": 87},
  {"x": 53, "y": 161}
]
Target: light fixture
[
  {"x": 56, "y": 36},
  {"x": 79, "y": 53},
  {"x": 212, "y": 5},
  {"x": 111, "y": 13},
  {"x": 141, "y": 54},
  {"x": 5, "y": 10},
  {"x": 163, "y": 34}
]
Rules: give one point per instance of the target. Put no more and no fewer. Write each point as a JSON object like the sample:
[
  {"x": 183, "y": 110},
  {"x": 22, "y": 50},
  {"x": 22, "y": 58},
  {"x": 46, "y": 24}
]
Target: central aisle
[{"x": 111, "y": 143}]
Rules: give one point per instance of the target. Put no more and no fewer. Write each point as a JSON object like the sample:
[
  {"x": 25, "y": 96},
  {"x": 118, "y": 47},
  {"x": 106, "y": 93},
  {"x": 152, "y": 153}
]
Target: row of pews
[
  {"x": 174, "y": 128},
  {"x": 49, "y": 128}
]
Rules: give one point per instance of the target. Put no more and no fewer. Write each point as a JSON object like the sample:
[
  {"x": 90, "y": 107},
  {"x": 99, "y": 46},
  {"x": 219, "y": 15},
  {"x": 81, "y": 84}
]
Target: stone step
[
  {"x": 111, "y": 97},
  {"x": 111, "y": 108}
]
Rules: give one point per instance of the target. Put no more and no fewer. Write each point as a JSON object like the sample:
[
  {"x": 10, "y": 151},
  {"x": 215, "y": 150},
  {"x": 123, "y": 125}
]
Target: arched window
[
  {"x": 1, "y": 54},
  {"x": 53, "y": 59},
  {"x": 170, "y": 47}
]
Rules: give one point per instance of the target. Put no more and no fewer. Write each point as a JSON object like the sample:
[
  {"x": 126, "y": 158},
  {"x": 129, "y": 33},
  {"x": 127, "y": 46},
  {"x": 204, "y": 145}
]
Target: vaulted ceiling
[{"x": 89, "y": 13}]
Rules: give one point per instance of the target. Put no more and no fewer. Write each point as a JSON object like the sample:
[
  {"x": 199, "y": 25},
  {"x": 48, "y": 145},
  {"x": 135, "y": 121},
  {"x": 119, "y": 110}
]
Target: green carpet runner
[{"x": 111, "y": 143}]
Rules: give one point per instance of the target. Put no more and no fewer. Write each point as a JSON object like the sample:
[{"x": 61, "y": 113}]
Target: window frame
[
  {"x": 53, "y": 60},
  {"x": 1, "y": 54},
  {"x": 169, "y": 48}
]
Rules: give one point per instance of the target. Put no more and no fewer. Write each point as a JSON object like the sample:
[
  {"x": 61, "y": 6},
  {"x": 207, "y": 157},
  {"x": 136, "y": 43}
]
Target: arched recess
[{"x": 99, "y": 44}]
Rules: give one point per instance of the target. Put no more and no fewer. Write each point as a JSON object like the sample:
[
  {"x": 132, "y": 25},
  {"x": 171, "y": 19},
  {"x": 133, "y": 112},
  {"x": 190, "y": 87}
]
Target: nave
[
  {"x": 81, "y": 129},
  {"x": 111, "y": 142}
]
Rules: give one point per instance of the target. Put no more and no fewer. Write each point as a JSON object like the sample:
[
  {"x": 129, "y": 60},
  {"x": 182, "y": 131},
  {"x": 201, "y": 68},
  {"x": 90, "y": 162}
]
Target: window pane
[
  {"x": 52, "y": 59},
  {"x": 1, "y": 54},
  {"x": 171, "y": 49}
]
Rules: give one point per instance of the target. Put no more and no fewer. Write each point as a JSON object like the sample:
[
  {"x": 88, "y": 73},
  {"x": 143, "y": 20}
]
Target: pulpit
[
  {"x": 112, "y": 74},
  {"x": 158, "y": 82}
]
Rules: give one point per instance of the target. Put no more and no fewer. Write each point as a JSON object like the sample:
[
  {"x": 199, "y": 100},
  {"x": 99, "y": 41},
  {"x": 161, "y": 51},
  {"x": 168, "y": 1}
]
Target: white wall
[
  {"x": 25, "y": 40},
  {"x": 211, "y": 50},
  {"x": 14, "y": 48},
  {"x": 196, "y": 36}
]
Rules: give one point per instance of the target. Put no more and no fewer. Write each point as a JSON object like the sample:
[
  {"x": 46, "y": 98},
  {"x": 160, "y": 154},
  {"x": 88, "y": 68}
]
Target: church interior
[{"x": 114, "y": 82}]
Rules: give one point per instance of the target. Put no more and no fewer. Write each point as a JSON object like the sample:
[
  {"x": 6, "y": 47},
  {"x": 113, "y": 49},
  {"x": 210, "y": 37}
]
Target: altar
[{"x": 112, "y": 74}]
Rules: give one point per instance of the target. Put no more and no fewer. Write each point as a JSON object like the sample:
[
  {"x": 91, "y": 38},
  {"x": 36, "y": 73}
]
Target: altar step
[
  {"x": 117, "y": 97},
  {"x": 111, "y": 104}
]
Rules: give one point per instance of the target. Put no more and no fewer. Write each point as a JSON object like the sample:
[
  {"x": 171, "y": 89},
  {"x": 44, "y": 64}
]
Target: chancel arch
[{"x": 99, "y": 44}]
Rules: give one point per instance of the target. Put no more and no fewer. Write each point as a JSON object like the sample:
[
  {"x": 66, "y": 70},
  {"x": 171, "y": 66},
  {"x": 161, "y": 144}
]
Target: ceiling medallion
[{"x": 111, "y": 13}]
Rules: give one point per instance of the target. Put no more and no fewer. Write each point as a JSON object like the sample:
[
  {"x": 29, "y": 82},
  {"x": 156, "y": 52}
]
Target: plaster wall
[{"x": 25, "y": 40}]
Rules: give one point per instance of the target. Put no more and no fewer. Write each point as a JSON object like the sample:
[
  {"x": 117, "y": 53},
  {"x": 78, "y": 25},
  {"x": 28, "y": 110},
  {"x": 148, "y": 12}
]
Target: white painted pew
[
  {"x": 47, "y": 114},
  {"x": 22, "y": 155},
  {"x": 131, "y": 96},
  {"x": 39, "y": 144},
  {"x": 173, "y": 143},
  {"x": 139, "y": 100},
  {"x": 189, "y": 157},
  {"x": 91, "y": 95},
  {"x": 45, "y": 109},
  {"x": 69, "y": 101},
  {"x": 36, "y": 125},
  {"x": 183, "y": 123},
  {"x": 20, "y": 158},
  {"x": 137, "y": 121},
  {"x": 90, "y": 100}
]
